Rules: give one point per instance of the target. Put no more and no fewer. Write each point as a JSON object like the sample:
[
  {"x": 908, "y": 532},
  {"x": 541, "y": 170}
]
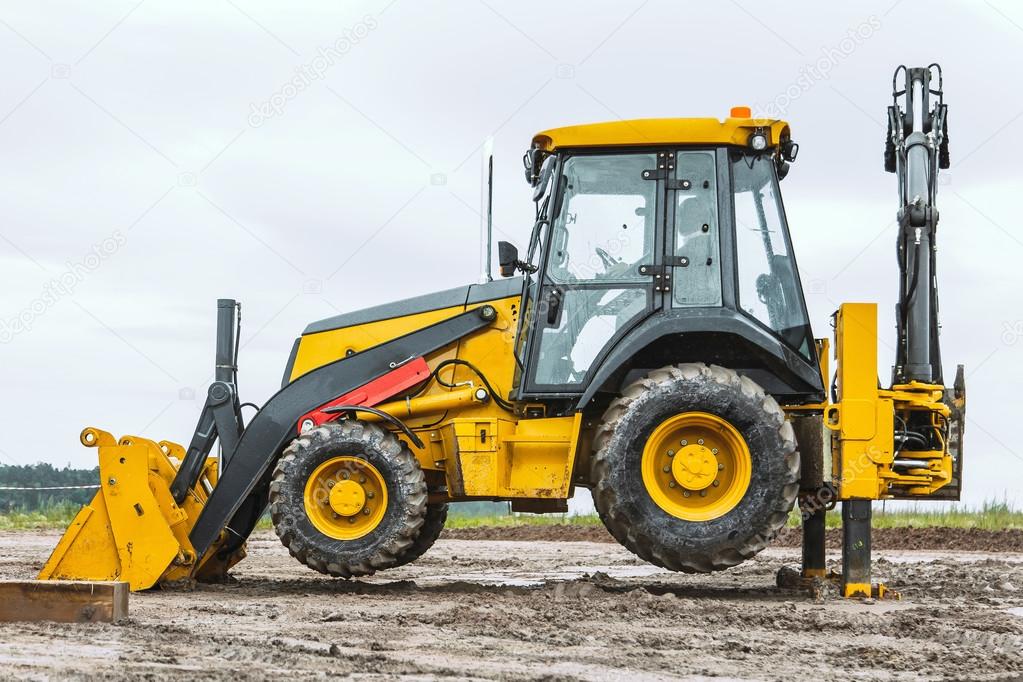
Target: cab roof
[{"x": 734, "y": 130}]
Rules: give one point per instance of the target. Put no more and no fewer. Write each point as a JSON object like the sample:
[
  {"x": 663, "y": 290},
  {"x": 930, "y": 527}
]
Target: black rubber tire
[
  {"x": 436, "y": 516},
  {"x": 632, "y": 516},
  {"x": 406, "y": 499}
]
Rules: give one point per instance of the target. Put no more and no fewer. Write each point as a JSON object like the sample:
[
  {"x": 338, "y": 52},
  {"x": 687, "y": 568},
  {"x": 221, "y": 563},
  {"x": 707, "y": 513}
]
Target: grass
[
  {"x": 456, "y": 520},
  {"x": 992, "y": 515},
  {"x": 57, "y": 516}
]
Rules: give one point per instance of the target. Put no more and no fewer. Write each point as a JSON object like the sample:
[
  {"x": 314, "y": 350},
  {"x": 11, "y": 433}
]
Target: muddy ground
[
  {"x": 543, "y": 610},
  {"x": 962, "y": 539}
]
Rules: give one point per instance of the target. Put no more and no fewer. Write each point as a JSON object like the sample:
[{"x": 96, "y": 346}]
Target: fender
[{"x": 795, "y": 374}]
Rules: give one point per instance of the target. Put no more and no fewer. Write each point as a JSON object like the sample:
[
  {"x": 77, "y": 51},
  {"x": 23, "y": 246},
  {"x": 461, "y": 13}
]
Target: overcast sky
[{"x": 311, "y": 158}]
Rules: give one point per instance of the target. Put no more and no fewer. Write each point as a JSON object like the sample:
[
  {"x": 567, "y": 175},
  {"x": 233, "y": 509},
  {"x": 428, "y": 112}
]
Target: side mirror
[
  {"x": 789, "y": 150},
  {"x": 531, "y": 161},
  {"x": 544, "y": 178},
  {"x": 507, "y": 258}
]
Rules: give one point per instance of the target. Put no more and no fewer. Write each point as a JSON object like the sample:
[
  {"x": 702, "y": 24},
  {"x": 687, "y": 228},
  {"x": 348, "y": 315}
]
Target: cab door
[
  {"x": 602, "y": 271},
  {"x": 695, "y": 241}
]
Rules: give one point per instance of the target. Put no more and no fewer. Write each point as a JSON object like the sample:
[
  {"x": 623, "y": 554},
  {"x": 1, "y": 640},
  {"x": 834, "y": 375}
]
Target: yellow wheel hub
[
  {"x": 345, "y": 498},
  {"x": 696, "y": 466}
]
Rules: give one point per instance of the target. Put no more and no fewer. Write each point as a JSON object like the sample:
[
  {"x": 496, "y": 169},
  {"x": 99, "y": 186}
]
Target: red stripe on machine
[{"x": 378, "y": 390}]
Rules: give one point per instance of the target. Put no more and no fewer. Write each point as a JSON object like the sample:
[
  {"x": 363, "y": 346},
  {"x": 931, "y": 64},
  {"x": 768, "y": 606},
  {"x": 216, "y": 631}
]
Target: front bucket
[{"x": 132, "y": 530}]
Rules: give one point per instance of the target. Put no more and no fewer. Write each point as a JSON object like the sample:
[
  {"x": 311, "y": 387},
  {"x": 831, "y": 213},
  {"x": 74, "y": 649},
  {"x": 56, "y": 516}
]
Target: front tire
[
  {"x": 433, "y": 525},
  {"x": 348, "y": 498},
  {"x": 695, "y": 468}
]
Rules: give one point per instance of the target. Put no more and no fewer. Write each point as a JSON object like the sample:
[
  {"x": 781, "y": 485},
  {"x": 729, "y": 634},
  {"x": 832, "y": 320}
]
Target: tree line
[{"x": 42, "y": 476}]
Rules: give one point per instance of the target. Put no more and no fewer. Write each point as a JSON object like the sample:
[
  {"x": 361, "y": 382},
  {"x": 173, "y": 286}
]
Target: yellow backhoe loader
[{"x": 652, "y": 345}]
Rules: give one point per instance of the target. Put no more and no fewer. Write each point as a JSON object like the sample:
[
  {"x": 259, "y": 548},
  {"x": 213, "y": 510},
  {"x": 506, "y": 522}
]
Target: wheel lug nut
[
  {"x": 700, "y": 442},
  {"x": 684, "y": 442},
  {"x": 362, "y": 479},
  {"x": 671, "y": 484},
  {"x": 345, "y": 475},
  {"x": 716, "y": 483},
  {"x": 369, "y": 494},
  {"x": 703, "y": 493},
  {"x": 671, "y": 453},
  {"x": 721, "y": 467},
  {"x": 685, "y": 493},
  {"x": 667, "y": 469},
  {"x": 351, "y": 519},
  {"x": 330, "y": 484},
  {"x": 366, "y": 511},
  {"x": 714, "y": 451}
]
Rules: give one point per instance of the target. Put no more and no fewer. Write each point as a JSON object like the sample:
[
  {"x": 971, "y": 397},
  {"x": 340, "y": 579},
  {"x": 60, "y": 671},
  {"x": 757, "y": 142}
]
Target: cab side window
[{"x": 697, "y": 271}]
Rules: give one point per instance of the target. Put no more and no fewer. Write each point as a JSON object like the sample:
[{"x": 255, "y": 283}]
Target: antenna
[{"x": 487, "y": 211}]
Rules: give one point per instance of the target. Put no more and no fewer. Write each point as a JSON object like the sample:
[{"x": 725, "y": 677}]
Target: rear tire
[
  {"x": 350, "y": 543},
  {"x": 653, "y": 530}
]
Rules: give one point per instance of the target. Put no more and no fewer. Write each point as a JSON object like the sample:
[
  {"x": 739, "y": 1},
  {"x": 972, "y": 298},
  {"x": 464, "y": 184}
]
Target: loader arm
[{"x": 241, "y": 494}]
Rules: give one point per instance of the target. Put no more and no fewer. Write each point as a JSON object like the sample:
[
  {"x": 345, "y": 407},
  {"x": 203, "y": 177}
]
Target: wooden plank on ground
[{"x": 64, "y": 601}]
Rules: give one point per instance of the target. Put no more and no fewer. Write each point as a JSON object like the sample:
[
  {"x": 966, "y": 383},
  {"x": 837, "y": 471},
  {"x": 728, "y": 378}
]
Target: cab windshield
[{"x": 769, "y": 289}]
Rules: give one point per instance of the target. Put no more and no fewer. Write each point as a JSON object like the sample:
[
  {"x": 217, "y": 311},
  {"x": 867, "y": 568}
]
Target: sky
[{"x": 314, "y": 158}]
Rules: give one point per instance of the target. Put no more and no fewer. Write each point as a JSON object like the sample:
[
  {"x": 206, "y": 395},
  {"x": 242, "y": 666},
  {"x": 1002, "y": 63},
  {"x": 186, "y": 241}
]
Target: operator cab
[{"x": 656, "y": 240}]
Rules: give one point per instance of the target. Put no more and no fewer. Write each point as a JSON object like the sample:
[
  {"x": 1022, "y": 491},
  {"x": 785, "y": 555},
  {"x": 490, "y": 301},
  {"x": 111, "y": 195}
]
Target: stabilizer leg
[
  {"x": 856, "y": 516},
  {"x": 813, "y": 542}
]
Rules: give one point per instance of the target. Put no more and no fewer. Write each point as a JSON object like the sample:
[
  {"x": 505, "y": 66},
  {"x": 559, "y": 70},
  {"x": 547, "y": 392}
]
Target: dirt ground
[
  {"x": 542, "y": 610},
  {"x": 962, "y": 539}
]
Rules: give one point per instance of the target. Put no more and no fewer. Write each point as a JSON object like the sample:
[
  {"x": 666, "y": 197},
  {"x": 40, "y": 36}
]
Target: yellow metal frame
[{"x": 863, "y": 421}]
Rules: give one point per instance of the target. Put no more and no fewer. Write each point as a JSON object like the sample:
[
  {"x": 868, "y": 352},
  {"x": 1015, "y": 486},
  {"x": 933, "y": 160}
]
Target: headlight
[{"x": 758, "y": 141}]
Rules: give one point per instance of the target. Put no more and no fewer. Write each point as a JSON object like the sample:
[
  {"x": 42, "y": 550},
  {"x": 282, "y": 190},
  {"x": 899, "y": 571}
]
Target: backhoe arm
[{"x": 915, "y": 150}]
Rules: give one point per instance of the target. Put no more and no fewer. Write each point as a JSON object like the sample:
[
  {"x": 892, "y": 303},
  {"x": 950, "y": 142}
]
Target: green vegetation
[
  {"x": 41, "y": 509},
  {"x": 992, "y": 515},
  {"x": 43, "y": 476},
  {"x": 54, "y": 516},
  {"x": 38, "y": 509},
  {"x": 458, "y": 521}
]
